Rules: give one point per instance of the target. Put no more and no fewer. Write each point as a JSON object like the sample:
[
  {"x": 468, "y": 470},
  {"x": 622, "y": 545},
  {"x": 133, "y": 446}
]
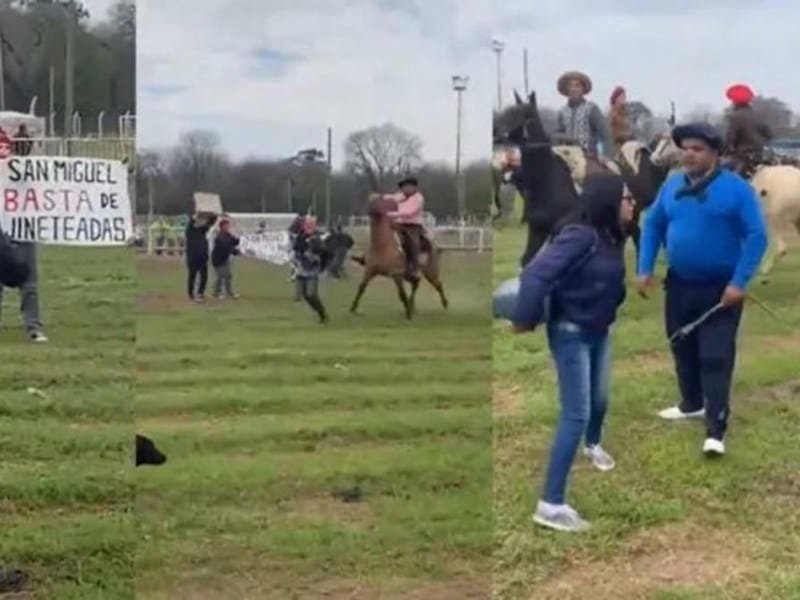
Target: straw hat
[{"x": 564, "y": 80}]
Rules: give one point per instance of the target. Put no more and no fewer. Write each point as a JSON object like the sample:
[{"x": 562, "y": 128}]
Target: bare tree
[
  {"x": 775, "y": 113},
  {"x": 199, "y": 158},
  {"x": 377, "y": 153}
]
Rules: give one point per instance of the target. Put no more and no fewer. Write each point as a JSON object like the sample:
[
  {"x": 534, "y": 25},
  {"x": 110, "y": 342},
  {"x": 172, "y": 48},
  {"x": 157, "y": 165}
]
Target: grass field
[
  {"x": 268, "y": 418},
  {"x": 66, "y": 428},
  {"x": 667, "y": 524}
]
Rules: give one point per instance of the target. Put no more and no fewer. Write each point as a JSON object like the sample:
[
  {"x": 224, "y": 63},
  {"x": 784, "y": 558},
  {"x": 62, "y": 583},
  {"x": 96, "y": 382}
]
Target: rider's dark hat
[
  {"x": 408, "y": 180},
  {"x": 700, "y": 131}
]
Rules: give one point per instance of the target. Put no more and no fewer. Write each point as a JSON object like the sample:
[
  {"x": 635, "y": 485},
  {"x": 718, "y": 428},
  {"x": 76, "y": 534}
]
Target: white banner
[
  {"x": 65, "y": 201},
  {"x": 270, "y": 246}
]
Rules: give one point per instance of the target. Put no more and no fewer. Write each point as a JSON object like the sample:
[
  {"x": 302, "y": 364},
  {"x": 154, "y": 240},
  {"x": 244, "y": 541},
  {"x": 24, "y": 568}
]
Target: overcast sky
[{"x": 272, "y": 75}]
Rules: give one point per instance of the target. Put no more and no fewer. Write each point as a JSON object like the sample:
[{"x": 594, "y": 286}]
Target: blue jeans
[{"x": 583, "y": 362}]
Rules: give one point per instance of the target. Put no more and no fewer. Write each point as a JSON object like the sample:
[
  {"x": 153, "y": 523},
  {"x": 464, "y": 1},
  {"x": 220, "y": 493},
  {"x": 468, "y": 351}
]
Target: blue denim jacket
[{"x": 587, "y": 295}]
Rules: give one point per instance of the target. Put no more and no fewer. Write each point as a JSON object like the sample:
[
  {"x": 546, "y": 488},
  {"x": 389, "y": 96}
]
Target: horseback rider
[
  {"x": 747, "y": 132},
  {"x": 407, "y": 220},
  {"x": 580, "y": 120},
  {"x": 619, "y": 119}
]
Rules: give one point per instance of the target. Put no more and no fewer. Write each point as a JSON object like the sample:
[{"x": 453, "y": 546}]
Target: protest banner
[
  {"x": 65, "y": 201},
  {"x": 269, "y": 246},
  {"x": 207, "y": 203}
]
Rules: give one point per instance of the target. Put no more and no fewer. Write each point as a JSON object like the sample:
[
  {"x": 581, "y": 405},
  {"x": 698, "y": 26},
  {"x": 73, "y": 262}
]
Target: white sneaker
[
  {"x": 38, "y": 337},
  {"x": 560, "y": 517},
  {"x": 674, "y": 413},
  {"x": 600, "y": 458},
  {"x": 713, "y": 448}
]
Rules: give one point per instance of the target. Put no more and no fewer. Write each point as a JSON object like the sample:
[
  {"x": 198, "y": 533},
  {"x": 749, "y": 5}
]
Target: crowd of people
[{"x": 708, "y": 219}]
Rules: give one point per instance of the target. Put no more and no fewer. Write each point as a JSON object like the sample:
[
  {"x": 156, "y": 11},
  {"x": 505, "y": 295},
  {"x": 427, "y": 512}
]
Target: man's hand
[
  {"x": 732, "y": 296},
  {"x": 644, "y": 283}
]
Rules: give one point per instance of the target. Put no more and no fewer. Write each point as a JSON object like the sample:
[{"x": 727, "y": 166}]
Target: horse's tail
[{"x": 360, "y": 260}]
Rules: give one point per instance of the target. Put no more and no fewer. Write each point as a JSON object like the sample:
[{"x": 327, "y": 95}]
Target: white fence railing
[{"x": 166, "y": 237}]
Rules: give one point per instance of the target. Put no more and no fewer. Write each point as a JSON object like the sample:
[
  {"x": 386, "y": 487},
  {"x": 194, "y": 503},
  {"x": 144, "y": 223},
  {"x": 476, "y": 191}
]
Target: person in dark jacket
[
  {"x": 311, "y": 258},
  {"x": 575, "y": 285},
  {"x": 22, "y": 141},
  {"x": 197, "y": 254},
  {"x": 711, "y": 223},
  {"x": 747, "y": 132},
  {"x": 225, "y": 245}
]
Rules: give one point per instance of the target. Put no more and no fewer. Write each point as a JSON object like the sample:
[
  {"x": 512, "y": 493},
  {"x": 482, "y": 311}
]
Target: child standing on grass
[
  {"x": 225, "y": 245},
  {"x": 311, "y": 261}
]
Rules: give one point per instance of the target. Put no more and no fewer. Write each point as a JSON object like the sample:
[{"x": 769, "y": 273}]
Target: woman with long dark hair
[{"x": 575, "y": 285}]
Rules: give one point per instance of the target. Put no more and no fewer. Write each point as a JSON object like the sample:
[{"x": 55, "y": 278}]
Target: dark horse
[
  {"x": 546, "y": 183},
  {"x": 543, "y": 179}
]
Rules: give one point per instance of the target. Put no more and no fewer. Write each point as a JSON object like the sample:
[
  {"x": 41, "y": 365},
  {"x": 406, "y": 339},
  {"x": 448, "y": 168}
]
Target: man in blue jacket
[{"x": 711, "y": 222}]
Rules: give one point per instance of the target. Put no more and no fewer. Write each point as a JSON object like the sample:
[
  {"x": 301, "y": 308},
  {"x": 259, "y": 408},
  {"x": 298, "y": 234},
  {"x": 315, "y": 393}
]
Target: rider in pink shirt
[{"x": 408, "y": 219}]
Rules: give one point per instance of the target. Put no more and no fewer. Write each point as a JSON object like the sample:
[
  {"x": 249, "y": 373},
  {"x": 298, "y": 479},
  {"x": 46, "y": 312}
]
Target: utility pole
[
  {"x": 525, "y": 71},
  {"x": 2, "y": 73},
  {"x": 52, "y": 102},
  {"x": 69, "y": 71},
  {"x": 497, "y": 48},
  {"x": 459, "y": 85},
  {"x": 328, "y": 175}
]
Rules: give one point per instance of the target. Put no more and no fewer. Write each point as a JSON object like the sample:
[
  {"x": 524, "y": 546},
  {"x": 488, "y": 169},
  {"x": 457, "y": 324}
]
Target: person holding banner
[
  {"x": 25, "y": 253},
  {"x": 197, "y": 254},
  {"x": 225, "y": 245},
  {"x": 311, "y": 258}
]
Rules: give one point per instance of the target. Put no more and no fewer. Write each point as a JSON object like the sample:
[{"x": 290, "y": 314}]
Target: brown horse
[{"x": 385, "y": 257}]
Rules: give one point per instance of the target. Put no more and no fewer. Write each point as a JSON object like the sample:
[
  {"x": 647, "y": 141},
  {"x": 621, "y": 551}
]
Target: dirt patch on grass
[
  {"x": 176, "y": 421},
  {"x": 326, "y": 508},
  {"x": 506, "y": 401},
  {"x": 157, "y": 301},
  {"x": 279, "y": 587},
  {"x": 784, "y": 488},
  {"x": 642, "y": 363},
  {"x": 677, "y": 555}
]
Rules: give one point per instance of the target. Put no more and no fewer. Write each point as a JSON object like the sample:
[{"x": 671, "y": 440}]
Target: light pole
[
  {"x": 459, "y": 85},
  {"x": 150, "y": 172},
  {"x": 2, "y": 73},
  {"x": 328, "y": 174},
  {"x": 497, "y": 48}
]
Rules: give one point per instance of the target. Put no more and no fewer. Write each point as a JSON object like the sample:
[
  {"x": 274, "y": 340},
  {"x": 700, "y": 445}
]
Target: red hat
[{"x": 740, "y": 94}]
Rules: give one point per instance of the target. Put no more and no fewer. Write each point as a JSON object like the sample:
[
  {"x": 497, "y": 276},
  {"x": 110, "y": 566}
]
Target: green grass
[
  {"x": 66, "y": 490},
  {"x": 265, "y": 415},
  {"x": 667, "y": 523}
]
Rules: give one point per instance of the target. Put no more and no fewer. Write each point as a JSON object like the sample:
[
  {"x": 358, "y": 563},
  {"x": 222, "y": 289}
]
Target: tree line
[
  {"x": 375, "y": 158},
  {"x": 33, "y": 35}
]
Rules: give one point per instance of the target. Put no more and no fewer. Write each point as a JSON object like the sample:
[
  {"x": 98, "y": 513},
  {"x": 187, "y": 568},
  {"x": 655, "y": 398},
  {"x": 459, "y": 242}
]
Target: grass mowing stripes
[
  {"x": 66, "y": 429},
  {"x": 266, "y": 416}
]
